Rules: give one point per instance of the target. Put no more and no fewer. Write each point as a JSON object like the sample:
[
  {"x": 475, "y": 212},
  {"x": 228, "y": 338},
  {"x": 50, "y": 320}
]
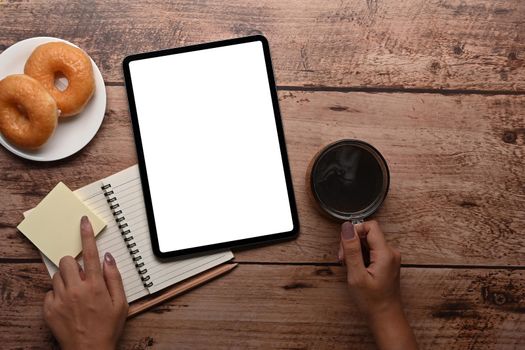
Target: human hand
[
  {"x": 87, "y": 308},
  {"x": 375, "y": 289}
]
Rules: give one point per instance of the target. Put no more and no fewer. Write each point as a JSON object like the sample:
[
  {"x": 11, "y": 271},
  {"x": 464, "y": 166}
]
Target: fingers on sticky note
[{"x": 53, "y": 226}]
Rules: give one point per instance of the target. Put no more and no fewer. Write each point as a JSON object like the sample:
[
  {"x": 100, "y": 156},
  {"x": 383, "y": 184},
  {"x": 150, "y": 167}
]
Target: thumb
[
  {"x": 352, "y": 251},
  {"x": 113, "y": 279}
]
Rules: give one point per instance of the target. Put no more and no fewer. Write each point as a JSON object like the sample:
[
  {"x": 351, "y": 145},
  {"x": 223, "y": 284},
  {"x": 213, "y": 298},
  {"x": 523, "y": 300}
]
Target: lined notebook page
[
  {"x": 127, "y": 190},
  {"x": 109, "y": 240}
]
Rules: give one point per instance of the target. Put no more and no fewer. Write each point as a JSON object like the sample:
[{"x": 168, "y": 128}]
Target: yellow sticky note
[{"x": 54, "y": 225}]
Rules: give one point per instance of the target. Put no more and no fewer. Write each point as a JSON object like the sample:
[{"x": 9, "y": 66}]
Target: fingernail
[
  {"x": 347, "y": 230},
  {"x": 108, "y": 258},
  {"x": 84, "y": 221}
]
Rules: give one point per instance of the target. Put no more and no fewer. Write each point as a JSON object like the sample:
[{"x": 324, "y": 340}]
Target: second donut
[{"x": 49, "y": 61}]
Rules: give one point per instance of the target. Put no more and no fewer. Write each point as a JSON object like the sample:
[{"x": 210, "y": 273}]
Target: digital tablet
[{"x": 210, "y": 146}]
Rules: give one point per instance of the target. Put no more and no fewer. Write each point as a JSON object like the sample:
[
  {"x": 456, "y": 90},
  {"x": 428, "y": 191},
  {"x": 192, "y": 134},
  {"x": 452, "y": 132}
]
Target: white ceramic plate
[{"x": 72, "y": 133}]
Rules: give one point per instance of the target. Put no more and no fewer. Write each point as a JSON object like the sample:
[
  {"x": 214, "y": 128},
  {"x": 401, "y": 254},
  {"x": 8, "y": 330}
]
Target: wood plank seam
[
  {"x": 321, "y": 264},
  {"x": 422, "y": 266},
  {"x": 385, "y": 89}
]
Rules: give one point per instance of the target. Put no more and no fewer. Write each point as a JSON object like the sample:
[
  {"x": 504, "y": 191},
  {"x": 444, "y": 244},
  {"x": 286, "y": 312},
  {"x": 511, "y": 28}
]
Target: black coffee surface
[{"x": 347, "y": 178}]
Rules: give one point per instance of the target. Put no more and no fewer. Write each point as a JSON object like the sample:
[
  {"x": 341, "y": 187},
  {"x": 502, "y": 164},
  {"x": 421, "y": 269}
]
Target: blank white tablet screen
[{"x": 210, "y": 146}]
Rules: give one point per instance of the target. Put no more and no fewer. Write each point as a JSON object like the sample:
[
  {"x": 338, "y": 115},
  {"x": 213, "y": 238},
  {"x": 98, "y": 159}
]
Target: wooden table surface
[{"x": 437, "y": 86}]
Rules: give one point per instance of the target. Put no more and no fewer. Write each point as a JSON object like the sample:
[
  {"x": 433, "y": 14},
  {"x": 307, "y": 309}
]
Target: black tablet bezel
[{"x": 279, "y": 236}]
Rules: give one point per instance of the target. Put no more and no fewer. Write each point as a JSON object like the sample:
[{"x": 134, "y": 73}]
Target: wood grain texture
[
  {"x": 457, "y": 164},
  {"x": 457, "y": 176},
  {"x": 292, "y": 307},
  {"x": 451, "y": 44},
  {"x": 149, "y": 302}
]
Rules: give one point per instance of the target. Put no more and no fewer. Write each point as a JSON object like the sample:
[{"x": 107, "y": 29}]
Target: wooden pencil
[{"x": 141, "y": 306}]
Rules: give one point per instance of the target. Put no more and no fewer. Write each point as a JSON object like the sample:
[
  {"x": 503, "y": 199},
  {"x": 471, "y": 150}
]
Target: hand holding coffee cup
[{"x": 348, "y": 181}]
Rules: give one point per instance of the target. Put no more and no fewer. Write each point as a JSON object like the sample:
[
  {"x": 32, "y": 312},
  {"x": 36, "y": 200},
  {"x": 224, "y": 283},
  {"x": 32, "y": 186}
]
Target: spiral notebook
[{"x": 118, "y": 200}]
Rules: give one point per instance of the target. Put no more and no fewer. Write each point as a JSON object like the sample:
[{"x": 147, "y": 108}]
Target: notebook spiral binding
[{"x": 126, "y": 234}]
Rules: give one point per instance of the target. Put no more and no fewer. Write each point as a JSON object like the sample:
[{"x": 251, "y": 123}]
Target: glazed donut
[
  {"x": 28, "y": 112},
  {"x": 52, "y": 59}
]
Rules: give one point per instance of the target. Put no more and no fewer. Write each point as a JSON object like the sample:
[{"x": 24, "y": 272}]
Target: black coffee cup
[{"x": 349, "y": 180}]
